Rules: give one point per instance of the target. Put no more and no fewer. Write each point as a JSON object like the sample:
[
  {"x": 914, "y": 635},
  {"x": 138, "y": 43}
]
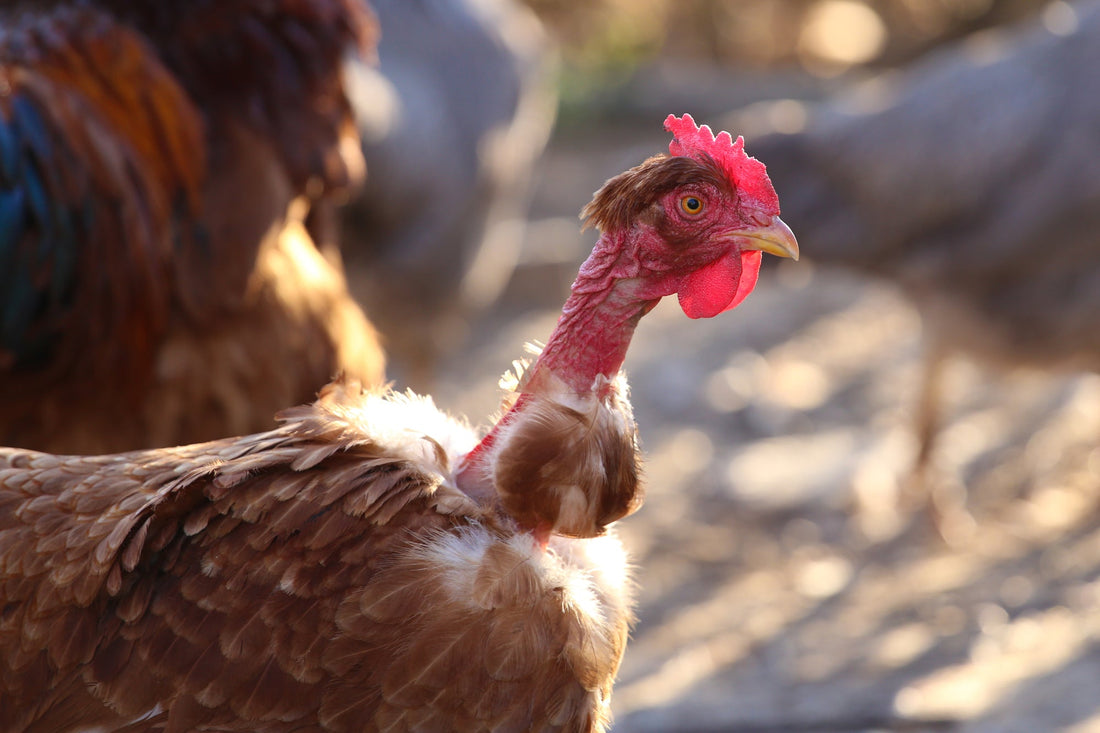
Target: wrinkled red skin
[{"x": 629, "y": 271}]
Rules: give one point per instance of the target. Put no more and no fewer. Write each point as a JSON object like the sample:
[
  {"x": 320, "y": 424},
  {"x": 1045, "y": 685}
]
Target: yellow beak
[{"x": 776, "y": 238}]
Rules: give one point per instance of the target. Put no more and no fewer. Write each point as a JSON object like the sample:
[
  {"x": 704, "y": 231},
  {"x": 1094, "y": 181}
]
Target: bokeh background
[{"x": 787, "y": 579}]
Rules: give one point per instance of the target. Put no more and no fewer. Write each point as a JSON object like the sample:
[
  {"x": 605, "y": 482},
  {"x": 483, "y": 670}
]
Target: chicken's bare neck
[
  {"x": 586, "y": 348},
  {"x": 597, "y": 322},
  {"x": 591, "y": 338}
]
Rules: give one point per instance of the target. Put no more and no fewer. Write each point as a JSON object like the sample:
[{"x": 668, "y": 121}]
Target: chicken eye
[{"x": 691, "y": 205}]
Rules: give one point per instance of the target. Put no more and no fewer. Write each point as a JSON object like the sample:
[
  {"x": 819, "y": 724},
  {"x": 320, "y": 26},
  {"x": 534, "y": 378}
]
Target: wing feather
[{"x": 234, "y": 586}]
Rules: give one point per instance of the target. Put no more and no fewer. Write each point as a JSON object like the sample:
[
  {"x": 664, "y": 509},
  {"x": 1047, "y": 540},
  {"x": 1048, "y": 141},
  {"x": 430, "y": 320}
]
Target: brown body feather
[
  {"x": 322, "y": 576},
  {"x": 568, "y": 463},
  {"x": 188, "y": 144}
]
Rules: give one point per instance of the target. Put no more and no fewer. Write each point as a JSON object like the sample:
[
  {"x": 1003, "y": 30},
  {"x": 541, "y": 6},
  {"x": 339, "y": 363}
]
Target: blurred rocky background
[{"x": 794, "y": 573}]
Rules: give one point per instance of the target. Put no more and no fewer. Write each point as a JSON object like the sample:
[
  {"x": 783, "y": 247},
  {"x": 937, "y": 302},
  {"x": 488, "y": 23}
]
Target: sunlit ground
[{"x": 784, "y": 584}]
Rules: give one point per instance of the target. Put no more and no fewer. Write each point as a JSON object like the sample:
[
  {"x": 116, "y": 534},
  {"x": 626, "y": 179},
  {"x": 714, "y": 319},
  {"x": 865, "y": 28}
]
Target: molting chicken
[{"x": 371, "y": 564}]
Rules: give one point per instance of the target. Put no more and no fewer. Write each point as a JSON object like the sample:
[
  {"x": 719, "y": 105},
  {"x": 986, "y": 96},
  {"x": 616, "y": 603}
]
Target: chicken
[
  {"x": 452, "y": 119},
  {"x": 158, "y": 162},
  {"x": 370, "y": 564},
  {"x": 967, "y": 182}
]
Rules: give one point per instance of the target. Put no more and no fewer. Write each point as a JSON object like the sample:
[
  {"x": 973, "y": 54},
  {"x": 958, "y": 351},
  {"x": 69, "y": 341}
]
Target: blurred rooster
[
  {"x": 158, "y": 162},
  {"x": 972, "y": 182},
  {"x": 370, "y": 565}
]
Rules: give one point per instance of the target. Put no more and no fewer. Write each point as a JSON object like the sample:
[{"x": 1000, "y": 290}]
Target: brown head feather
[{"x": 624, "y": 199}]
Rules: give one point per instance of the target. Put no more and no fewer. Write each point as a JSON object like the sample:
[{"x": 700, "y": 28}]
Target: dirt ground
[{"x": 783, "y": 582}]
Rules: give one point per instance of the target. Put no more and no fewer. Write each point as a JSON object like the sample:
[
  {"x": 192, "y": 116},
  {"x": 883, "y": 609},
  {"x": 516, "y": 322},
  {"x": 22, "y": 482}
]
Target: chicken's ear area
[{"x": 719, "y": 286}]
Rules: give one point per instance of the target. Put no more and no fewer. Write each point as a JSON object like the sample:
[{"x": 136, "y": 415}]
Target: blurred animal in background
[
  {"x": 370, "y": 564},
  {"x": 159, "y": 164},
  {"x": 972, "y": 181},
  {"x": 452, "y": 119}
]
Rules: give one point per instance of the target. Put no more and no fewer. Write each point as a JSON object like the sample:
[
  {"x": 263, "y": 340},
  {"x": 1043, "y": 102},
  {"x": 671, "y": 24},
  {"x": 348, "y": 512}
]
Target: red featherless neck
[
  {"x": 693, "y": 223},
  {"x": 589, "y": 341},
  {"x": 597, "y": 322}
]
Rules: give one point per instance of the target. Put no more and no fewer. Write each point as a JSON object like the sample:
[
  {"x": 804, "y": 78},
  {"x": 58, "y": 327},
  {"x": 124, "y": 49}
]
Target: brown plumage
[
  {"x": 161, "y": 163},
  {"x": 369, "y": 565},
  {"x": 581, "y": 496},
  {"x": 295, "y": 575}
]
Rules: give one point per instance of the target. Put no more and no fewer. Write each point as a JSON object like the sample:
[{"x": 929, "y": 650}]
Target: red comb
[{"x": 748, "y": 175}]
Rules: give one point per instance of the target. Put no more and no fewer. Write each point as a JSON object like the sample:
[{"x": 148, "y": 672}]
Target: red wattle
[
  {"x": 719, "y": 286},
  {"x": 750, "y": 271}
]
